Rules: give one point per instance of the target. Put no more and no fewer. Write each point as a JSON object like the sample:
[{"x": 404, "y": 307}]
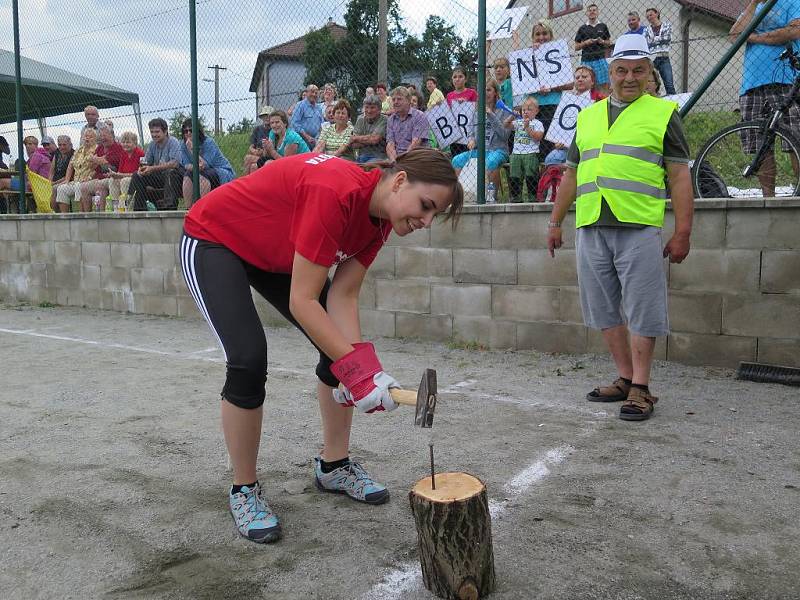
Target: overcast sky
[{"x": 145, "y": 47}]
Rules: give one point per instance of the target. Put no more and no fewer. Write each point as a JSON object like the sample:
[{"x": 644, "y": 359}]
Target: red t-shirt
[
  {"x": 314, "y": 204},
  {"x": 468, "y": 95},
  {"x": 113, "y": 154},
  {"x": 130, "y": 162}
]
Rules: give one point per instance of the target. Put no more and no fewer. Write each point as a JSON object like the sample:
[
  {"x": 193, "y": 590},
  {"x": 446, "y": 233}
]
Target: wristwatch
[{"x": 553, "y": 224}]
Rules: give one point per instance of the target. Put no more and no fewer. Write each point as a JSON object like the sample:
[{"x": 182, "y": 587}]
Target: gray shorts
[{"x": 621, "y": 279}]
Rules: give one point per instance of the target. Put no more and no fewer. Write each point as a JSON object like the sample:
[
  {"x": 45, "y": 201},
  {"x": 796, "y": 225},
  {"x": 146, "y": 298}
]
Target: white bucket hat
[{"x": 630, "y": 46}]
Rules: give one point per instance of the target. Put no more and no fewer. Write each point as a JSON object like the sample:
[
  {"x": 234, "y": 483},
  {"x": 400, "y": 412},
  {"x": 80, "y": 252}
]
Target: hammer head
[{"x": 426, "y": 399}]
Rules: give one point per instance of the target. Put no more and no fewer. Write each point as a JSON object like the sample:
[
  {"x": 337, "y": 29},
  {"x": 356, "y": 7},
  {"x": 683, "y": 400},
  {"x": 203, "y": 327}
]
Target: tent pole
[
  {"x": 195, "y": 120},
  {"x": 18, "y": 80},
  {"x": 137, "y": 113}
]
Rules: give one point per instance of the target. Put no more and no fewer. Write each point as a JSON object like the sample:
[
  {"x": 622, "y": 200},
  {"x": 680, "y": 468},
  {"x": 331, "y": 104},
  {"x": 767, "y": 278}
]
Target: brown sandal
[
  {"x": 610, "y": 393},
  {"x": 639, "y": 406}
]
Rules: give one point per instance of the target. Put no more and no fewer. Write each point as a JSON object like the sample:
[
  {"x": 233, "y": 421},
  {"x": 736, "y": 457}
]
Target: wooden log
[{"x": 454, "y": 532}]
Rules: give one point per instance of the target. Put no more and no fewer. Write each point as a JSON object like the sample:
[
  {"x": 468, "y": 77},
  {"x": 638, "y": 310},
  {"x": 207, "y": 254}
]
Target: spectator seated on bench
[
  {"x": 78, "y": 182},
  {"x": 214, "y": 167},
  {"x": 162, "y": 171}
]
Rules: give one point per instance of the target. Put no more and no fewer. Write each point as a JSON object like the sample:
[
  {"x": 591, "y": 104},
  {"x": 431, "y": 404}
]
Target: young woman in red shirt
[{"x": 280, "y": 230}]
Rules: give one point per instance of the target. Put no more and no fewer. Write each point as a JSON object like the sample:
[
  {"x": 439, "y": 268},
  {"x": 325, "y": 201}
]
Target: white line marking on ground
[
  {"x": 458, "y": 385},
  {"x": 408, "y": 575},
  {"x": 181, "y": 355},
  {"x": 212, "y": 349}
]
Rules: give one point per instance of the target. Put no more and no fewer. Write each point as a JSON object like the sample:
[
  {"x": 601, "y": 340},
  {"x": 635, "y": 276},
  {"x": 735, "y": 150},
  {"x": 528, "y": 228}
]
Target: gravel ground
[{"x": 113, "y": 472}]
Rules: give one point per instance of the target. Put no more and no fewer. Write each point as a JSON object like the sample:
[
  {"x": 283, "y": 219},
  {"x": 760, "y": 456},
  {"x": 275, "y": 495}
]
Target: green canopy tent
[{"x": 49, "y": 91}]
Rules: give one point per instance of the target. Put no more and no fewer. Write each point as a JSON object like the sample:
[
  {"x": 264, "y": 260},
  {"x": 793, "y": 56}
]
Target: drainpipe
[{"x": 685, "y": 42}]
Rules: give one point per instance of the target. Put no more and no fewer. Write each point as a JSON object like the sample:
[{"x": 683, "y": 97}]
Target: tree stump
[{"x": 454, "y": 532}]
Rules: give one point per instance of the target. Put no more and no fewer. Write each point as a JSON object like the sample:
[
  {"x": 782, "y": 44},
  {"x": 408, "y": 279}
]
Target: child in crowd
[
  {"x": 386, "y": 102},
  {"x": 129, "y": 163},
  {"x": 496, "y": 138},
  {"x": 554, "y": 167},
  {"x": 528, "y": 132},
  {"x": 502, "y": 75},
  {"x": 585, "y": 82},
  {"x": 460, "y": 93},
  {"x": 436, "y": 95},
  {"x": 653, "y": 86},
  {"x": 548, "y": 98}
]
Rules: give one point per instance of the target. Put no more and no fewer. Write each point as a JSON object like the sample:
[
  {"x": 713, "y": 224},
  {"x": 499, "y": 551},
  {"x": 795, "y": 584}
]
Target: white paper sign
[
  {"x": 444, "y": 125},
  {"x": 681, "y": 99},
  {"x": 507, "y": 23},
  {"x": 565, "y": 119},
  {"x": 547, "y": 66},
  {"x": 464, "y": 112}
]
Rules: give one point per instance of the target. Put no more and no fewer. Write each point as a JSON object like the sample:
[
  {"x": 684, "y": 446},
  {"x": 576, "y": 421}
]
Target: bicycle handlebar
[{"x": 789, "y": 55}]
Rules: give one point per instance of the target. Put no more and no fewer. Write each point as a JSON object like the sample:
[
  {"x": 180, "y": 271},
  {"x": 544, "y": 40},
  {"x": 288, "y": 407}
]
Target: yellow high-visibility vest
[{"x": 624, "y": 163}]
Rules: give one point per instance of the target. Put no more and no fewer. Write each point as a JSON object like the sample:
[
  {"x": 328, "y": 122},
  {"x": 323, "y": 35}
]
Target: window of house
[{"x": 563, "y": 7}]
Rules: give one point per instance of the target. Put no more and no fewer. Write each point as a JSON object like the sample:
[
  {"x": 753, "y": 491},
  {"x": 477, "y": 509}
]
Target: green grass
[
  {"x": 700, "y": 126},
  {"x": 727, "y": 157},
  {"x": 234, "y": 146}
]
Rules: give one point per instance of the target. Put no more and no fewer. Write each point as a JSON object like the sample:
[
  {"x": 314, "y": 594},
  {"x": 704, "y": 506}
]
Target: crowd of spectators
[
  {"x": 104, "y": 169},
  {"x": 388, "y": 123}
]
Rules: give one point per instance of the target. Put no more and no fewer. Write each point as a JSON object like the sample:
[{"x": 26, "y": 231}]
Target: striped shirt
[
  {"x": 659, "y": 42},
  {"x": 334, "y": 140}
]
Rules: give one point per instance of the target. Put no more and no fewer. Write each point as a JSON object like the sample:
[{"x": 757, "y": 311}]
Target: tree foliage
[
  {"x": 351, "y": 63},
  {"x": 244, "y": 126},
  {"x": 176, "y": 122}
]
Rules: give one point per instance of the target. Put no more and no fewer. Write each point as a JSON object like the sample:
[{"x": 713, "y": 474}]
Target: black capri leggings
[{"x": 220, "y": 283}]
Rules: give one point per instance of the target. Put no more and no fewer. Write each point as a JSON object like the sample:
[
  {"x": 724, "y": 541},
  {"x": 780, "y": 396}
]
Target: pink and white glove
[{"x": 366, "y": 385}]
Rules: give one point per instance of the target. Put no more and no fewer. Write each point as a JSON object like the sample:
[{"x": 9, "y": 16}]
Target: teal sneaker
[
  {"x": 253, "y": 517},
  {"x": 352, "y": 480}
]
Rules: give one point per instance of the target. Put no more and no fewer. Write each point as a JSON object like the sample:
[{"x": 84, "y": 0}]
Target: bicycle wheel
[{"x": 721, "y": 166}]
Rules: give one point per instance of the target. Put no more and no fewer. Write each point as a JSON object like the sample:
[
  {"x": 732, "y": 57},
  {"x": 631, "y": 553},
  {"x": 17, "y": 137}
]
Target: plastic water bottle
[
  {"x": 490, "y": 193},
  {"x": 96, "y": 202},
  {"x": 109, "y": 204}
]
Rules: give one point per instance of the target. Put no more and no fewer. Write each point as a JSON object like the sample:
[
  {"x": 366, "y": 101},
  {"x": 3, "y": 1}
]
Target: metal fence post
[
  {"x": 195, "y": 119},
  {"x": 23, "y": 208},
  {"x": 481, "y": 132},
  {"x": 727, "y": 57}
]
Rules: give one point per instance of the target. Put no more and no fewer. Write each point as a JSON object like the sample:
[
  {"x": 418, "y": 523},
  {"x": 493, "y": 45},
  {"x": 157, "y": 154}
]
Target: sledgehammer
[{"x": 424, "y": 399}]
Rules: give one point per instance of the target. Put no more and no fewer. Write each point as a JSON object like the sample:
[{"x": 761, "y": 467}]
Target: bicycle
[{"x": 724, "y": 168}]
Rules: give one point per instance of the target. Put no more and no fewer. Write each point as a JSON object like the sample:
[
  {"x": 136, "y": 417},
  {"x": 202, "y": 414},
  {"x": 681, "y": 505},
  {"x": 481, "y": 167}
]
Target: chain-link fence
[{"x": 254, "y": 57}]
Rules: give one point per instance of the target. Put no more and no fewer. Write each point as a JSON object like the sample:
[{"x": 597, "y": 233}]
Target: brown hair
[
  {"x": 281, "y": 115},
  {"x": 427, "y": 165},
  {"x": 345, "y": 105},
  {"x": 492, "y": 83}
]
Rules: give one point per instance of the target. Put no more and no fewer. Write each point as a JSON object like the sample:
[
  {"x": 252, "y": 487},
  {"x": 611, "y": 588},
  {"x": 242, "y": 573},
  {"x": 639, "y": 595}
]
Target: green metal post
[
  {"x": 481, "y": 132},
  {"x": 740, "y": 41},
  {"x": 195, "y": 120},
  {"x": 18, "y": 87}
]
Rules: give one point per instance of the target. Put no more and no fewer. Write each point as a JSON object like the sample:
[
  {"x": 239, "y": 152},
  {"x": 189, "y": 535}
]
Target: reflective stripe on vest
[{"x": 623, "y": 164}]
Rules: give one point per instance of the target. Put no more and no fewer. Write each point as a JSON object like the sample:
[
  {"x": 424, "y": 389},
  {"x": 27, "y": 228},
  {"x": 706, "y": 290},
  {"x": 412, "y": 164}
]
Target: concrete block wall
[{"x": 490, "y": 282}]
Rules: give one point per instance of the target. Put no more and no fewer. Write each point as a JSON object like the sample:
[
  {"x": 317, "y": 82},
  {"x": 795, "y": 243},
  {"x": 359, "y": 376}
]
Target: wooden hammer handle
[{"x": 407, "y": 397}]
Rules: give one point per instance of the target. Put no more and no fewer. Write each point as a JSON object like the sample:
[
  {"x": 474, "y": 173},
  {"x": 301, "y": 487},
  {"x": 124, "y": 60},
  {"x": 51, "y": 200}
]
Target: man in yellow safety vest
[{"x": 624, "y": 148}]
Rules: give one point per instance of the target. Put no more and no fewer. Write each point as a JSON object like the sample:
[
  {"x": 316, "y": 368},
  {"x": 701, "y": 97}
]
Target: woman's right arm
[{"x": 308, "y": 278}]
